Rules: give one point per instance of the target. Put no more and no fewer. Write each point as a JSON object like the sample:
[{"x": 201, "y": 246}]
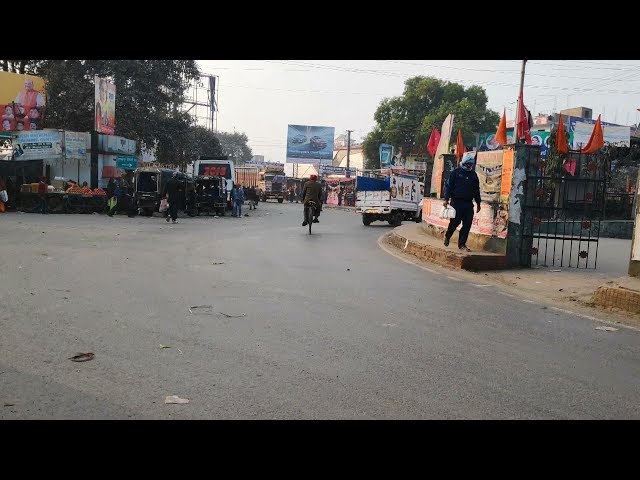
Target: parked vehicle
[
  {"x": 209, "y": 196},
  {"x": 392, "y": 198},
  {"x": 272, "y": 184},
  {"x": 149, "y": 183},
  {"x": 217, "y": 167}
]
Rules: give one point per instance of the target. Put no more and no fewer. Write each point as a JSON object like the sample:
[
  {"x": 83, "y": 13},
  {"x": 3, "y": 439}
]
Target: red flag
[
  {"x": 524, "y": 129},
  {"x": 459, "y": 146},
  {"x": 596, "y": 141},
  {"x": 501, "y": 134},
  {"x": 561, "y": 139},
  {"x": 434, "y": 140}
]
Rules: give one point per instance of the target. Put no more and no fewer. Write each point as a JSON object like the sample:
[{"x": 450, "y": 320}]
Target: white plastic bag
[
  {"x": 3, "y": 196},
  {"x": 448, "y": 212},
  {"x": 164, "y": 205}
]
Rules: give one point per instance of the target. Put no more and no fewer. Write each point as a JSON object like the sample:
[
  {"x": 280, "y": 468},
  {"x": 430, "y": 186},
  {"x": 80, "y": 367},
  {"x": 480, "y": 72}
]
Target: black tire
[
  {"x": 396, "y": 219},
  {"x": 309, "y": 217},
  {"x": 366, "y": 219},
  {"x": 192, "y": 212},
  {"x": 148, "y": 212},
  {"x": 280, "y": 200},
  {"x": 418, "y": 218}
]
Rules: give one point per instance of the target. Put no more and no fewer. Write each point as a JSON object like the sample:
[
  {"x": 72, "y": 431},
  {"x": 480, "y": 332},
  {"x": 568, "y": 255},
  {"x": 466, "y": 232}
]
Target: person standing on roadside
[
  {"x": 238, "y": 200},
  {"x": 171, "y": 192}
]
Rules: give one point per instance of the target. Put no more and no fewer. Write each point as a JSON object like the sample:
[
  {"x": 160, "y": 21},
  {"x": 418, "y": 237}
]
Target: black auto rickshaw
[
  {"x": 150, "y": 183},
  {"x": 209, "y": 195}
]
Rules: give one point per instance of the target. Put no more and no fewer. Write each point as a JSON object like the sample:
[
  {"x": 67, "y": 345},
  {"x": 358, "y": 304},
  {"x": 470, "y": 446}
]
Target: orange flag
[
  {"x": 596, "y": 141},
  {"x": 501, "y": 134},
  {"x": 459, "y": 146},
  {"x": 561, "y": 139}
]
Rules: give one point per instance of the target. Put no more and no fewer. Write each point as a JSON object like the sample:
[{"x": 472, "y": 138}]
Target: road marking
[
  {"x": 527, "y": 301},
  {"x": 589, "y": 317},
  {"x": 456, "y": 279},
  {"x": 389, "y": 324},
  {"x": 507, "y": 294},
  {"x": 479, "y": 285}
]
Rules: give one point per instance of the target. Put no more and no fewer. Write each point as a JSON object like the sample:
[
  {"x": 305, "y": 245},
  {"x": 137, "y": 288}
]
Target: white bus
[{"x": 217, "y": 167}]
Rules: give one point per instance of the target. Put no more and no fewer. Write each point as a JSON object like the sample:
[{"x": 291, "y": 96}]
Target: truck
[
  {"x": 391, "y": 198},
  {"x": 272, "y": 184},
  {"x": 210, "y": 166},
  {"x": 247, "y": 176}
]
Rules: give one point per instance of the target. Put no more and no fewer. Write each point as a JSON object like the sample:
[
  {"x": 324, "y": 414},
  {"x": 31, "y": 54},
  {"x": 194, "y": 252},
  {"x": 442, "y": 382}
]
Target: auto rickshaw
[
  {"x": 149, "y": 184},
  {"x": 209, "y": 195}
]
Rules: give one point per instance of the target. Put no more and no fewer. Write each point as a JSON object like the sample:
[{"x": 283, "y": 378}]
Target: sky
[{"x": 262, "y": 97}]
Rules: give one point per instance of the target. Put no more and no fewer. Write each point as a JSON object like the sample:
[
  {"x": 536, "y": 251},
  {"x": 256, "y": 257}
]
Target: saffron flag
[
  {"x": 434, "y": 140},
  {"x": 561, "y": 138},
  {"x": 596, "y": 141},
  {"x": 459, "y": 147},
  {"x": 501, "y": 134},
  {"x": 524, "y": 129}
]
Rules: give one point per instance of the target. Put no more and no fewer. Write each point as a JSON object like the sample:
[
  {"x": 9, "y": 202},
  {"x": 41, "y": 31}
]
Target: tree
[
  {"x": 235, "y": 145},
  {"x": 189, "y": 145},
  {"x": 407, "y": 121},
  {"x": 148, "y": 96}
]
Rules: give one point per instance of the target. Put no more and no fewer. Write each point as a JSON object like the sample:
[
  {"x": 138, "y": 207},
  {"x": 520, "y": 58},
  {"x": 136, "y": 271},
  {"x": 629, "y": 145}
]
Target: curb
[
  {"x": 619, "y": 297},
  {"x": 446, "y": 258}
]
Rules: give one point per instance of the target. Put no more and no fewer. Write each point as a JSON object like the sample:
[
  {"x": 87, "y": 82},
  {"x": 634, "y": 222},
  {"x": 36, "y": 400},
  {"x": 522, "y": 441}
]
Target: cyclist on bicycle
[{"x": 312, "y": 191}]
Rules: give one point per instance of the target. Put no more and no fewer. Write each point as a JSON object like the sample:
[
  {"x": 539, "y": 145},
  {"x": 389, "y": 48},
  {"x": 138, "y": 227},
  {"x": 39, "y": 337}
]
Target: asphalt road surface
[{"x": 333, "y": 328}]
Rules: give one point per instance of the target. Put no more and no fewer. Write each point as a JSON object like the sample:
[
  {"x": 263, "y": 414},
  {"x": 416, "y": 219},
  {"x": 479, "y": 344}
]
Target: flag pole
[{"x": 515, "y": 127}]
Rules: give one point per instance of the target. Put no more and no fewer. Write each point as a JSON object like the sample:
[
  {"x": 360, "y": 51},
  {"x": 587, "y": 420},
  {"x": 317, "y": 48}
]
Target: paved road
[{"x": 334, "y": 328}]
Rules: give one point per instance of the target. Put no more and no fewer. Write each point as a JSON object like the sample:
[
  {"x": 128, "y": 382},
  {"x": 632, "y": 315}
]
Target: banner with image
[
  {"x": 22, "y": 102},
  {"x": 105, "y": 106}
]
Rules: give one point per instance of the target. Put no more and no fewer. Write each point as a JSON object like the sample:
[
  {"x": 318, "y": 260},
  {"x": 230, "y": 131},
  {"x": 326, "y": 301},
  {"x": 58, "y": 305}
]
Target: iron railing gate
[{"x": 565, "y": 211}]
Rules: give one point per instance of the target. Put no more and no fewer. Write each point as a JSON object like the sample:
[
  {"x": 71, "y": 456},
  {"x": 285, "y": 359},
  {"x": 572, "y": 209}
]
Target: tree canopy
[
  {"x": 407, "y": 121},
  {"x": 236, "y": 146}
]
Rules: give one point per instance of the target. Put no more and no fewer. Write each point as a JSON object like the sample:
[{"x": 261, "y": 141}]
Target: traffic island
[{"x": 410, "y": 238}]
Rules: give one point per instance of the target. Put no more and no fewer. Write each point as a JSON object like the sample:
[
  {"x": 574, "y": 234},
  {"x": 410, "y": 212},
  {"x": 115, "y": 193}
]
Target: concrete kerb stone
[
  {"x": 617, "y": 296},
  {"x": 448, "y": 258}
]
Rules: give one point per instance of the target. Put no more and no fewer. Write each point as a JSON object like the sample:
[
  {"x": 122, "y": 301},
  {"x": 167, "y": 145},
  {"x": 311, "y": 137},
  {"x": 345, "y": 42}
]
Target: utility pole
[
  {"x": 515, "y": 127},
  {"x": 348, "y": 151}
]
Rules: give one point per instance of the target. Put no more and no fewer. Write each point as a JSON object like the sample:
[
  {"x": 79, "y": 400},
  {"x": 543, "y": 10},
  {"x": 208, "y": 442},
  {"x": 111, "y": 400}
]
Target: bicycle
[{"x": 310, "y": 210}]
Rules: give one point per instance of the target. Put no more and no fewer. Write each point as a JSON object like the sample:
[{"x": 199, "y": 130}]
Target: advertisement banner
[
  {"x": 257, "y": 163},
  {"x": 487, "y": 141},
  {"x": 22, "y": 102},
  {"x": 36, "y": 145},
  {"x": 75, "y": 145},
  {"x": 581, "y": 130},
  {"x": 404, "y": 188},
  {"x": 443, "y": 147},
  {"x": 331, "y": 170},
  {"x": 491, "y": 220},
  {"x": 310, "y": 144},
  {"x": 489, "y": 170},
  {"x": 115, "y": 144},
  {"x": 410, "y": 162},
  {"x": 340, "y": 191},
  {"x": 386, "y": 154},
  {"x": 507, "y": 173},
  {"x": 105, "y": 99}
]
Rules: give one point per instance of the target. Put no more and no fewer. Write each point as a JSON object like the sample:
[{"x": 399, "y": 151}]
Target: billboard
[
  {"x": 331, "y": 170},
  {"x": 105, "y": 106},
  {"x": 581, "y": 128},
  {"x": 22, "y": 102},
  {"x": 310, "y": 144},
  {"x": 36, "y": 145},
  {"x": 386, "y": 153}
]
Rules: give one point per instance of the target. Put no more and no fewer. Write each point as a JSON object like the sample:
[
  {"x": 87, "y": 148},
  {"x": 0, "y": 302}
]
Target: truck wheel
[
  {"x": 280, "y": 200},
  {"x": 193, "y": 212},
  {"x": 366, "y": 220},
  {"x": 395, "y": 219},
  {"x": 418, "y": 218}
]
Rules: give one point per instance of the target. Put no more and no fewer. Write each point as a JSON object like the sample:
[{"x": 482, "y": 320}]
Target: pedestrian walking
[
  {"x": 461, "y": 188},
  {"x": 238, "y": 200},
  {"x": 171, "y": 193}
]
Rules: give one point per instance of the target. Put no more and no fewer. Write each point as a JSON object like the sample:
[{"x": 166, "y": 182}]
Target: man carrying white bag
[{"x": 462, "y": 187}]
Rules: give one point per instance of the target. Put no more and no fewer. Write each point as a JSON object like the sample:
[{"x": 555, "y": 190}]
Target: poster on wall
[
  {"x": 489, "y": 170},
  {"x": 105, "y": 108},
  {"x": 22, "y": 102},
  {"x": 492, "y": 219},
  {"x": 310, "y": 144},
  {"x": 386, "y": 153},
  {"x": 75, "y": 145}
]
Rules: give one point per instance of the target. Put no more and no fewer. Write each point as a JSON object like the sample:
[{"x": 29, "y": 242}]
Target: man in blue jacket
[{"x": 462, "y": 187}]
